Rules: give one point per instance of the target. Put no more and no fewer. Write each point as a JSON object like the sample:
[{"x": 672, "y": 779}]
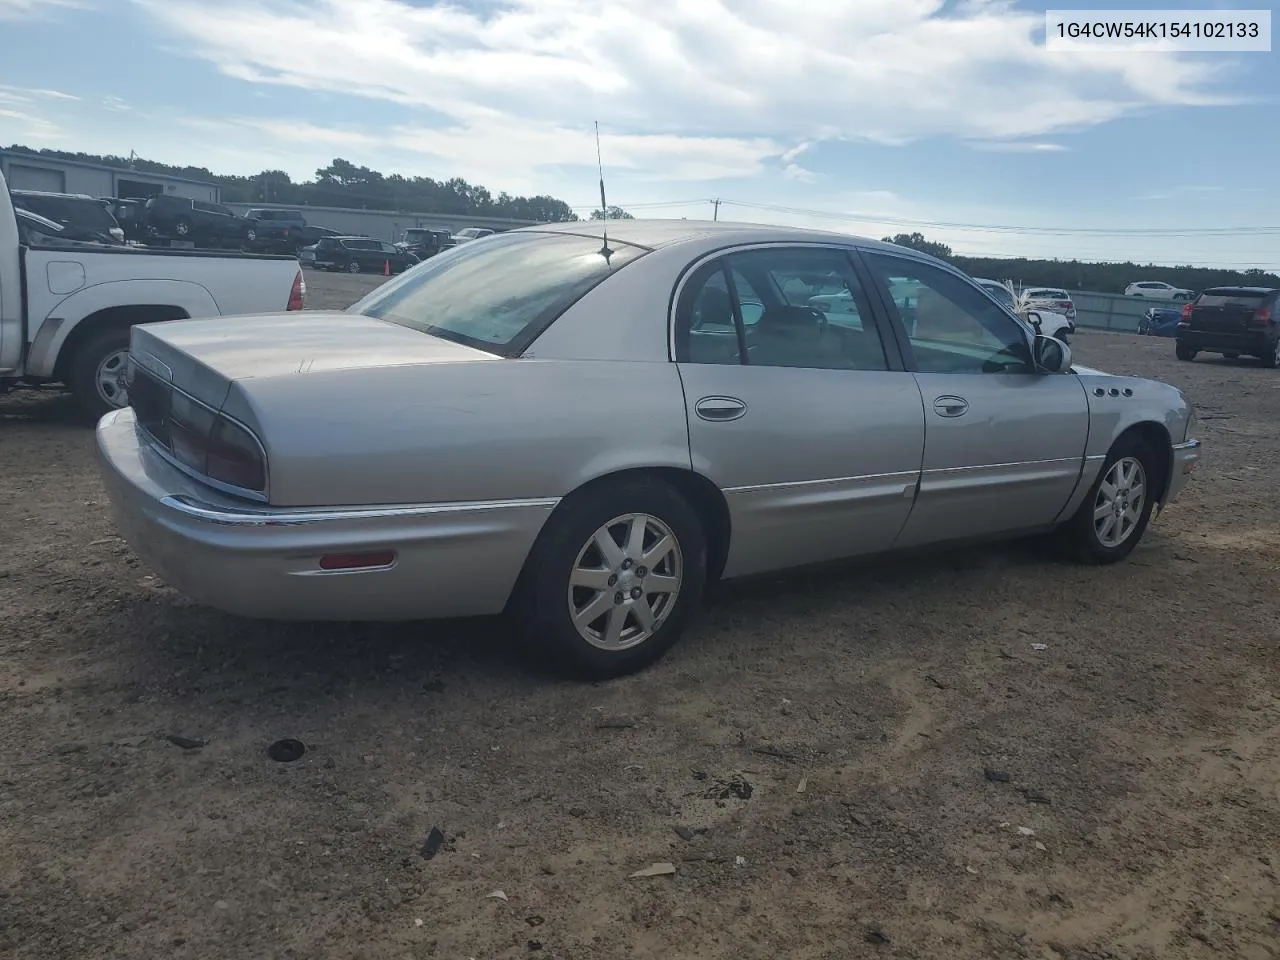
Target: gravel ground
[{"x": 811, "y": 758}]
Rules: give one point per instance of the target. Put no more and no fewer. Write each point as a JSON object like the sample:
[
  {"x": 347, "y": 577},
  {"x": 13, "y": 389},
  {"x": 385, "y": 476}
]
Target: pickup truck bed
[{"x": 66, "y": 309}]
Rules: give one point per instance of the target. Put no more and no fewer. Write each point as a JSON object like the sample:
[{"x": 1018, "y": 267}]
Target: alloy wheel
[
  {"x": 110, "y": 379},
  {"x": 1118, "y": 506},
  {"x": 625, "y": 582}
]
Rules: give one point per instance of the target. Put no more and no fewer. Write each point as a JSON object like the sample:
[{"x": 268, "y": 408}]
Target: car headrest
[{"x": 715, "y": 307}]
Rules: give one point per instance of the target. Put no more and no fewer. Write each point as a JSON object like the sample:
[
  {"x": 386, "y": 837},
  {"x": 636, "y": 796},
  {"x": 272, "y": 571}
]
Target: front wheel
[
  {"x": 613, "y": 579},
  {"x": 1185, "y": 352},
  {"x": 1115, "y": 514},
  {"x": 97, "y": 373}
]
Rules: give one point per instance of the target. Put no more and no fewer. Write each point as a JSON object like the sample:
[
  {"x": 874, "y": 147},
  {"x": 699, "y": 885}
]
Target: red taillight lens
[
  {"x": 299, "y": 292},
  {"x": 1262, "y": 316},
  {"x": 1186, "y": 311},
  {"x": 234, "y": 457}
]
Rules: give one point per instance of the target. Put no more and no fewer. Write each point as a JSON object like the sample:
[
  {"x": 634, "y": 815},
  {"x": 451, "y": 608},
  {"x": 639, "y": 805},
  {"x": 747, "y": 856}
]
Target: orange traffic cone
[{"x": 386, "y": 268}]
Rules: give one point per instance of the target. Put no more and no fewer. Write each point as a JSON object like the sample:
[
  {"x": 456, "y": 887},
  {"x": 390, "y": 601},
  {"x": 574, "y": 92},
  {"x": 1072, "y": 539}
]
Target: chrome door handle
[
  {"x": 720, "y": 408},
  {"x": 951, "y": 406}
]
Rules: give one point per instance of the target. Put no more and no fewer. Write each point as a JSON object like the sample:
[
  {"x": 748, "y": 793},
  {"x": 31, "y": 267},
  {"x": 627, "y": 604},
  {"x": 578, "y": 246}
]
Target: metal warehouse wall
[
  {"x": 384, "y": 224},
  {"x": 49, "y": 174}
]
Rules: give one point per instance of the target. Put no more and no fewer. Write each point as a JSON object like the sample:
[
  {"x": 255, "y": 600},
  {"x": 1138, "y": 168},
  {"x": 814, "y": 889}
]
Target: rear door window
[{"x": 1249, "y": 301}]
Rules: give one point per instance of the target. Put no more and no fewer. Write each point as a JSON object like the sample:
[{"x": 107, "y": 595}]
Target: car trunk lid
[{"x": 204, "y": 357}]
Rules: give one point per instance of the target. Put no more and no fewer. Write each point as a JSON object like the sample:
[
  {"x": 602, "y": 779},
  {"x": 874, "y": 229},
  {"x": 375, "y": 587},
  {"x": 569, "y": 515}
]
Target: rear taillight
[
  {"x": 1262, "y": 316},
  {"x": 299, "y": 292},
  {"x": 214, "y": 446},
  {"x": 1186, "y": 311}
]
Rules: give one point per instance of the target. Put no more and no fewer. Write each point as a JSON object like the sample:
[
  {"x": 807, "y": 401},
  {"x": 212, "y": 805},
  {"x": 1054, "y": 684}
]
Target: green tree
[
  {"x": 917, "y": 241},
  {"x": 612, "y": 213}
]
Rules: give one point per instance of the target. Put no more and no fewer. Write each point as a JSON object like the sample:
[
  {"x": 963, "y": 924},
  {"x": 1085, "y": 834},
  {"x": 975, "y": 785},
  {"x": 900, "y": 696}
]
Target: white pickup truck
[{"x": 66, "y": 306}]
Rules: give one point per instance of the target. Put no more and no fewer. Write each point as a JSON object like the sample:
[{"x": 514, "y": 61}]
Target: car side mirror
[
  {"x": 1052, "y": 355},
  {"x": 1033, "y": 318}
]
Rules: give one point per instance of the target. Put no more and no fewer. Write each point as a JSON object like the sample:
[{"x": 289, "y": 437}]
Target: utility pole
[{"x": 715, "y": 204}]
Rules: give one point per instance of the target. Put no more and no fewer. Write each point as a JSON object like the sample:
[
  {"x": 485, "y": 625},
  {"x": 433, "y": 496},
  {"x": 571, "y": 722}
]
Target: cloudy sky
[{"x": 868, "y": 116}]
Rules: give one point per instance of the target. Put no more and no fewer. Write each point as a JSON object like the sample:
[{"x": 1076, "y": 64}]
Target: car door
[
  {"x": 1004, "y": 442},
  {"x": 811, "y": 428}
]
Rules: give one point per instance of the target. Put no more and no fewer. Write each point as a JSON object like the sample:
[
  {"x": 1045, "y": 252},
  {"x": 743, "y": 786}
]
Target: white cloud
[
  {"x": 793, "y": 171},
  {"x": 1019, "y": 146},
  {"x": 26, "y": 94},
  {"x": 35, "y": 9},
  {"x": 33, "y": 126},
  {"x": 688, "y": 89}
]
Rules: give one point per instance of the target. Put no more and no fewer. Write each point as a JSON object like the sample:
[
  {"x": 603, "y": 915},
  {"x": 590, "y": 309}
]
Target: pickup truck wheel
[
  {"x": 612, "y": 580},
  {"x": 1185, "y": 352},
  {"x": 1115, "y": 513},
  {"x": 97, "y": 373}
]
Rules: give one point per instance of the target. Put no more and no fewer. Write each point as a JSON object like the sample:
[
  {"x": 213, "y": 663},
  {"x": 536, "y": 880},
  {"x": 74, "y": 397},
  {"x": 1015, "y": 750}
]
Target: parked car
[
  {"x": 1157, "y": 290},
  {"x": 437, "y": 452},
  {"x": 423, "y": 242},
  {"x": 471, "y": 233},
  {"x": 1232, "y": 321},
  {"x": 197, "y": 222},
  {"x": 361, "y": 255},
  {"x": 1046, "y": 322},
  {"x": 131, "y": 215},
  {"x": 1160, "y": 322},
  {"x": 36, "y": 230},
  {"x": 81, "y": 213},
  {"x": 277, "y": 230},
  {"x": 307, "y": 255},
  {"x": 67, "y": 304},
  {"x": 1053, "y": 299}
]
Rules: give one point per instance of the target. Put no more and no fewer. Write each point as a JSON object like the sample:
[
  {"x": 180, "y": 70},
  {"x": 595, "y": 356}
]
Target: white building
[{"x": 26, "y": 172}]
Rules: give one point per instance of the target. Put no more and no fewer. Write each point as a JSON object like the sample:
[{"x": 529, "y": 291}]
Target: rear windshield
[
  {"x": 1049, "y": 294},
  {"x": 90, "y": 214},
  {"x": 497, "y": 294},
  {"x": 1228, "y": 299}
]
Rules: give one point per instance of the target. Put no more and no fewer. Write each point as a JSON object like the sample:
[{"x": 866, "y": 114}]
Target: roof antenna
[{"x": 604, "y": 207}]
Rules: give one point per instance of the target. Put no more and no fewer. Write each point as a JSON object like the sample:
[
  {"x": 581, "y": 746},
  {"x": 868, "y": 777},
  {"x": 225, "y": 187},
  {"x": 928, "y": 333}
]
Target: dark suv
[
  {"x": 1232, "y": 321},
  {"x": 194, "y": 221},
  {"x": 424, "y": 242},
  {"x": 361, "y": 255},
  {"x": 279, "y": 231},
  {"x": 82, "y": 214}
]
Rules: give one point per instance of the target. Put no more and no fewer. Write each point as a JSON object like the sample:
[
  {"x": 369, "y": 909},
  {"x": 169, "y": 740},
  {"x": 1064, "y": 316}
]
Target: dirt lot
[{"x": 819, "y": 741}]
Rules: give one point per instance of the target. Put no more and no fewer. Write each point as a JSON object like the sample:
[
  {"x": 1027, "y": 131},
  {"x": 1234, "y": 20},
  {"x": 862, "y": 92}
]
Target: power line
[{"x": 1008, "y": 228}]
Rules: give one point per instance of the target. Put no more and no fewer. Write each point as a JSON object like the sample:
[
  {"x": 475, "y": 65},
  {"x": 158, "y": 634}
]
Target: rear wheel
[
  {"x": 1115, "y": 514},
  {"x": 1185, "y": 352},
  {"x": 97, "y": 373},
  {"x": 1271, "y": 359},
  {"x": 353, "y": 266},
  {"x": 612, "y": 579}
]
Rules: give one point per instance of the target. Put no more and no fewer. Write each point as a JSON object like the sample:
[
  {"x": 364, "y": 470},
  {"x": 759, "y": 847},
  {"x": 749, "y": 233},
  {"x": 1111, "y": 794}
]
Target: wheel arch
[
  {"x": 706, "y": 499},
  {"x": 1156, "y": 435},
  {"x": 109, "y": 318}
]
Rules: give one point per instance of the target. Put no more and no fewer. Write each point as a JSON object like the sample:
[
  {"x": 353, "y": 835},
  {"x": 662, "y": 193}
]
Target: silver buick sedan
[{"x": 583, "y": 429}]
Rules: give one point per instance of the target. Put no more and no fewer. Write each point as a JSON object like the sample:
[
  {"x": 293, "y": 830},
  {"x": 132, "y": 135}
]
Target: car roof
[
  {"x": 654, "y": 234},
  {"x": 1232, "y": 291},
  {"x": 50, "y": 194}
]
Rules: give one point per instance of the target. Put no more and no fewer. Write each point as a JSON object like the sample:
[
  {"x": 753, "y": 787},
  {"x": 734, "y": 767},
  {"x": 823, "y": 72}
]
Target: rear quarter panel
[{"x": 446, "y": 432}]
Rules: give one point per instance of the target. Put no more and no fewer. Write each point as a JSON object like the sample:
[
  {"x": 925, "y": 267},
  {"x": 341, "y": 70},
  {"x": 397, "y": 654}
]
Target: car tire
[
  {"x": 182, "y": 227},
  {"x": 1087, "y": 535},
  {"x": 97, "y": 359},
  {"x": 353, "y": 266},
  {"x": 1185, "y": 352},
  {"x": 566, "y": 551},
  {"x": 1272, "y": 358}
]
